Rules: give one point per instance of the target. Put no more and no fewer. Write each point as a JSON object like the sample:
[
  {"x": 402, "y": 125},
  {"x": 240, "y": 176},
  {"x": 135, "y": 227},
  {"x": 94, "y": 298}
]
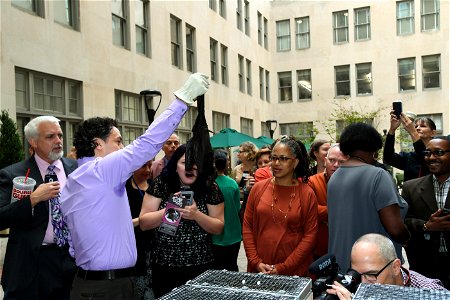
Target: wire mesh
[{"x": 382, "y": 292}]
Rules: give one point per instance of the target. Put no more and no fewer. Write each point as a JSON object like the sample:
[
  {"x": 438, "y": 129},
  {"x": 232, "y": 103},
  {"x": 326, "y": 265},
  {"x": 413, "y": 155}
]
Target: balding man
[
  {"x": 318, "y": 183},
  {"x": 374, "y": 257},
  {"x": 169, "y": 148}
]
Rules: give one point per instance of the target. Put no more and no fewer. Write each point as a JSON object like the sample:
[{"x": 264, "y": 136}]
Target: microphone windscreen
[{"x": 322, "y": 264}]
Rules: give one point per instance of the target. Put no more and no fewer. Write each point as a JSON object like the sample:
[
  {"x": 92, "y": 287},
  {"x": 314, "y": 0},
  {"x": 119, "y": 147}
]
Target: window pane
[
  {"x": 304, "y": 84},
  {"x": 118, "y": 38},
  {"x": 364, "y": 79},
  {"x": 21, "y": 90},
  {"x": 285, "y": 86},
  {"x": 63, "y": 11},
  {"x": 139, "y": 13},
  {"x": 26, "y": 4},
  {"x": 117, "y": 7},
  {"x": 431, "y": 71},
  {"x": 140, "y": 40}
]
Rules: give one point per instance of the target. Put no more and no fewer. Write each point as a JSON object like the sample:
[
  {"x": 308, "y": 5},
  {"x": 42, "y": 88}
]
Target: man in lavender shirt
[{"x": 94, "y": 201}]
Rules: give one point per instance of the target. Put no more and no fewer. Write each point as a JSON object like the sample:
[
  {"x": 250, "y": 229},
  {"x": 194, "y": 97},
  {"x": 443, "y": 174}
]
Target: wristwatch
[{"x": 425, "y": 228}]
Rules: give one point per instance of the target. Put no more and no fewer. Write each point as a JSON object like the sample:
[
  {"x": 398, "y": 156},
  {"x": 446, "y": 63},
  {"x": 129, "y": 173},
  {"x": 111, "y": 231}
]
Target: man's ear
[
  {"x": 396, "y": 266},
  {"x": 32, "y": 143}
]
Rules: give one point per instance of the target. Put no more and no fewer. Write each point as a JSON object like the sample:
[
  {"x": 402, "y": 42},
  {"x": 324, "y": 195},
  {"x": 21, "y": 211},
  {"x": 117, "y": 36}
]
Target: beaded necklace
[{"x": 278, "y": 220}]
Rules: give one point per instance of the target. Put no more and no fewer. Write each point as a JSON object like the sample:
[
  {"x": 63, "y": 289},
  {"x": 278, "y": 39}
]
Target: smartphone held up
[{"x": 397, "y": 107}]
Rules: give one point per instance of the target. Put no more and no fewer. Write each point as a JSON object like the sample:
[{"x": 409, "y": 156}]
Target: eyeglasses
[
  {"x": 334, "y": 161},
  {"x": 372, "y": 277},
  {"x": 437, "y": 153},
  {"x": 281, "y": 159}
]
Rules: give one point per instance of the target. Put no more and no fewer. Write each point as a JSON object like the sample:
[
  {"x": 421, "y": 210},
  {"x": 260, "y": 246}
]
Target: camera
[{"x": 326, "y": 270}]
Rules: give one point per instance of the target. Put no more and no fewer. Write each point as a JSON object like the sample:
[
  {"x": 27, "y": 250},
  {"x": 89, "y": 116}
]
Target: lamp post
[
  {"x": 147, "y": 96},
  {"x": 269, "y": 127}
]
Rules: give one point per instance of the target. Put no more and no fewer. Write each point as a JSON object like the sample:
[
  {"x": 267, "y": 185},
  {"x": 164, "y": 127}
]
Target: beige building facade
[{"x": 289, "y": 61}]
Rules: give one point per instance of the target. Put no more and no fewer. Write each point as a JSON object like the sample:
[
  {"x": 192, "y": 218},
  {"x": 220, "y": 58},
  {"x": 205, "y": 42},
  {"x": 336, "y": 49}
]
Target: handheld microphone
[{"x": 322, "y": 265}]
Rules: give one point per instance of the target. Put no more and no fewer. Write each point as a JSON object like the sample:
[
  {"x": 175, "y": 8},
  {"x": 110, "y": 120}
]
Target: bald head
[{"x": 334, "y": 159}]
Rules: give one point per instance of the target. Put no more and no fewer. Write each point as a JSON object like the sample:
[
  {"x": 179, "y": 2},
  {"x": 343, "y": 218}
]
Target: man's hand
[
  {"x": 438, "y": 222},
  {"x": 196, "y": 85},
  {"x": 340, "y": 291},
  {"x": 45, "y": 192}
]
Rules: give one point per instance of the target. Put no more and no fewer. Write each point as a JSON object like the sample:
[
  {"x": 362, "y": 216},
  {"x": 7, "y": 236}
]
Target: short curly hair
[
  {"x": 250, "y": 150},
  {"x": 360, "y": 136},
  {"x": 88, "y": 131}
]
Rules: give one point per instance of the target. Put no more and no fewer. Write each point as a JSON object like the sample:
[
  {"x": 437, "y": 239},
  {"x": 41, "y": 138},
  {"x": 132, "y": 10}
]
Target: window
[
  {"x": 266, "y": 41},
  {"x": 220, "y": 121},
  {"x": 304, "y": 84},
  {"x": 119, "y": 23},
  {"x": 362, "y": 24},
  {"x": 247, "y": 17},
  {"x": 184, "y": 130},
  {"x": 429, "y": 15},
  {"x": 260, "y": 29},
  {"x": 191, "y": 62},
  {"x": 285, "y": 86},
  {"x": 302, "y": 33},
  {"x": 213, "y": 5},
  {"x": 267, "y": 86},
  {"x": 249, "y": 76},
  {"x": 34, "y": 6},
  {"x": 342, "y": 79},
  {"x": 213, "y": 59},
  {"x": 66, "y": 12},
  {"x": 239, "y": 15},
  {"x": 340, "y": 27},
  {"x": 175, "y": 39},
  {"x": 405, "y": 17},
  {"x": 283, "y": 36},
  {"x": 302, "y": 130},
  {"x": 222, "y": 9},
  {"x": 247, "y": 126},
  {"x": 407, "y": 74},
  {"x": 224, "y": 64},
  {"x": 241, "y": 73},
  {"x": 431, "y": 71},
  {"x": 261, "y": 83},
  {"x": 141, "y": 14},
  {"x": 364, "y": 79},
  {"x": 264, "y": 129},
  {"x": 131, "y": 115},
  {"x": 40, "y": 94}
]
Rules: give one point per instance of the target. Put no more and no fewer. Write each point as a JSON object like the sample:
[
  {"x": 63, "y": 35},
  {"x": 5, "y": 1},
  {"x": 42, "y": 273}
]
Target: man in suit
[
  {"x": 428, "y": 250},
  {"x": 35, "y": 267},
  {"x": 169, "y": 148}
]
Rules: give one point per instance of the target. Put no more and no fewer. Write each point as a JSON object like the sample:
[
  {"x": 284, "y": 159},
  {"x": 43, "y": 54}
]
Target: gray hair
[
  {"x": 31, "y": 129},
  {"x": 384, "y": 245},
  {"x": 333, "y": 146}
]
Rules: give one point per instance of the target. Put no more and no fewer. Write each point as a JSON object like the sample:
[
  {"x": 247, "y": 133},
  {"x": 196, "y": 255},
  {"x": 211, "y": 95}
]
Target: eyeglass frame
[
  {"x": 365, "y": 274},
  {"x": 436, "y": 153},
  {"x": 281, "y": 159}
]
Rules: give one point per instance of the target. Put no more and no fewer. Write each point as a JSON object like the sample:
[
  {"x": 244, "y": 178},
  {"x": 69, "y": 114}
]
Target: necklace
[
  {"x": 359, "y": 158},
  {"x": 277, "y": 219}
]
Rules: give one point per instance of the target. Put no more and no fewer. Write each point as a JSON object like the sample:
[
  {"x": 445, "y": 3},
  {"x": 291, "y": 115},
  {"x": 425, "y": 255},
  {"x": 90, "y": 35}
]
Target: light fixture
[{"x": 269, "y": 127}]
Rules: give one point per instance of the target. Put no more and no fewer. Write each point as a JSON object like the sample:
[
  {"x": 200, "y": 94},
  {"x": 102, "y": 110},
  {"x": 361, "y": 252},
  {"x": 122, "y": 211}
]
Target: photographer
[{"x": 374, "y": 257}]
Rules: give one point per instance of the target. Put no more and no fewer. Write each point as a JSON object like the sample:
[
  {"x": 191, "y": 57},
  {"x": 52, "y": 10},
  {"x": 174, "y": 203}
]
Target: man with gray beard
[{"x": 37, "y": 262}]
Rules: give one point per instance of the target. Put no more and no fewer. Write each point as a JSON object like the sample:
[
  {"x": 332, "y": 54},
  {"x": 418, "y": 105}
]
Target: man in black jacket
[{"x": 35, "y": 266}]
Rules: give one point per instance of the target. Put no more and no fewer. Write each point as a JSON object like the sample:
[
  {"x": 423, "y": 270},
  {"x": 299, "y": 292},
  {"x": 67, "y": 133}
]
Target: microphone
[{"x": 322, "y": 266}]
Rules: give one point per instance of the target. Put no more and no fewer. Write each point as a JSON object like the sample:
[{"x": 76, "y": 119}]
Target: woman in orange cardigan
[{"x": 280, "y": 222}]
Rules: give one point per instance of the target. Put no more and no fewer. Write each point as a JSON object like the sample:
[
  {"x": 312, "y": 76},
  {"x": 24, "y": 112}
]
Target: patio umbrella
[
  {"x": 266, "y": 140},
  {"x": 229, "y": 137}
]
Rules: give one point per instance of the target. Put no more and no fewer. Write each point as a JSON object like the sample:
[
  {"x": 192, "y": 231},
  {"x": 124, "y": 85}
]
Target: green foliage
[
  {"x": 11, "y": 150},
  {"x": 343, "y": 115}
]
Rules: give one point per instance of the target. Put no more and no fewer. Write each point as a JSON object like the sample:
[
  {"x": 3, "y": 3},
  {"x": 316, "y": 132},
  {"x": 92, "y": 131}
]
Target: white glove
[{"x": 196, "y": 85}]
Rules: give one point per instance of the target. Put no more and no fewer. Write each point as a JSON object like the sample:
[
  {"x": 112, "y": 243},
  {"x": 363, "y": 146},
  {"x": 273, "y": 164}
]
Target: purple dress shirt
[{"x": 94, "y": 201}]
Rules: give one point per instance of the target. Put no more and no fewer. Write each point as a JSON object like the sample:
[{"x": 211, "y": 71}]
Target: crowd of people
[{"x": 115, "y": 224}]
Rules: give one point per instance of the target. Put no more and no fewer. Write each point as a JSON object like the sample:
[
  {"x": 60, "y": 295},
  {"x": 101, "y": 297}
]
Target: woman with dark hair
[
  {"x": 318, "y": 152},
  {"x": 280, "y": 222},
  {"x": 362, "y": 198},
  {"x": 185, "y": 255},
  {"x": 421, "y": 130}
]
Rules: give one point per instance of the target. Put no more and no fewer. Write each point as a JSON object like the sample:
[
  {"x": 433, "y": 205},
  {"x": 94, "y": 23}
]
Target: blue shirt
[{"x": 94, "y": 201}]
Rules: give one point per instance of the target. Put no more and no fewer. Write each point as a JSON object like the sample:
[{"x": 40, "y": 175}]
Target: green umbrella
[
  {"x": 229, "y": 137},
  {"x": 265, "y": 140}
]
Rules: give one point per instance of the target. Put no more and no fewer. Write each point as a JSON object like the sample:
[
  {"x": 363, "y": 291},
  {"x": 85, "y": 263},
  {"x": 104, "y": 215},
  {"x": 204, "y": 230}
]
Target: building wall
[{"x": 88, "y": 55}]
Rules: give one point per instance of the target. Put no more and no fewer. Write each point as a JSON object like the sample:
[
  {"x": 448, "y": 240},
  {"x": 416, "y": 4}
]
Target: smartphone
[
  {"x": 50, "y": 178},
  {"x": 445, "y": 212},
  {"x": 189, "y": 196},
  {"x": 397, "y": 107}
]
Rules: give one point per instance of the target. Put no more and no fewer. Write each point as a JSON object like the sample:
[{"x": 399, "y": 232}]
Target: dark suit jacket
[
  {"x": 423, "y": 248},
  {"x": 27, "y": 231}
]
